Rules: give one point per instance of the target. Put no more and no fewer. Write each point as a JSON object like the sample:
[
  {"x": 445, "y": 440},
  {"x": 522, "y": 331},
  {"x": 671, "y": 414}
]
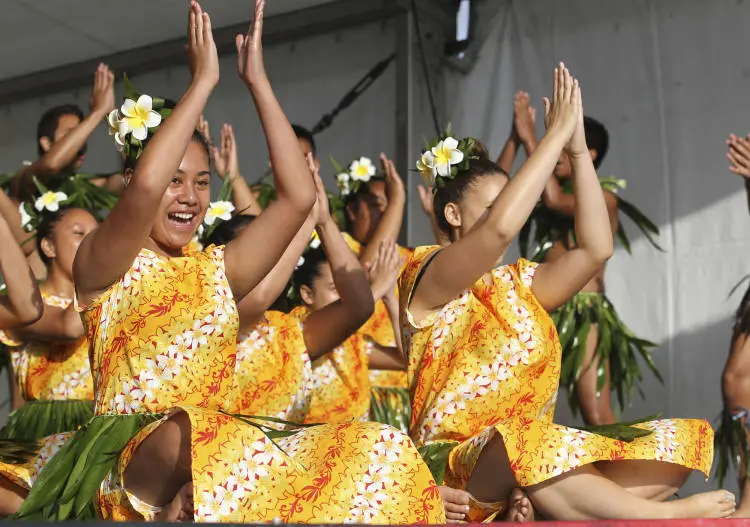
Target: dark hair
[
  {"x": 453, "y": 189},
  {"x": 303, "y": 133},
  {"x": 597, "y": 138},
  {"x": 226, "y": 231},
  {"x": 306, "y": 273},
  {"x": 131, "y": 163},
  {"x": 47, "y": 125},
  {"x": 50, "y": 220}
]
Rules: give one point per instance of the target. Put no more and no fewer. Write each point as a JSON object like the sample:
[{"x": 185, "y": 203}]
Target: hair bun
[{"x": 478, "y": 150}]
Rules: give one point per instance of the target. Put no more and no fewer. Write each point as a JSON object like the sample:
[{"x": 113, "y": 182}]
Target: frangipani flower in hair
[
  {"x": 444, "y": 157},
  {"x": 349, "y": 180}
]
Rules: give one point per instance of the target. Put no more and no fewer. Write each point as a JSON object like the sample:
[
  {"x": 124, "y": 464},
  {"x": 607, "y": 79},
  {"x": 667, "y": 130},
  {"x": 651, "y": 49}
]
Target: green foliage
[
  {"x": 545, "y": 227},
  {"x": 616, "y": 346}
]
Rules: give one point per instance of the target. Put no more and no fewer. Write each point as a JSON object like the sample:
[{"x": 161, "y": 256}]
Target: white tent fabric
[{"x": 669, "y": 78}]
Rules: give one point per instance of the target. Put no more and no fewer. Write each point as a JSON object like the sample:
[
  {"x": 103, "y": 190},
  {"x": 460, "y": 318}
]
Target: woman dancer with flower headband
[
  {"x": 273, "y": 378},
  {"x": 163, "y": 327},
  {"x": 484, "y": 357},
  {"x": 373, "y": 212},
  {"x": 50, "y": 357}
]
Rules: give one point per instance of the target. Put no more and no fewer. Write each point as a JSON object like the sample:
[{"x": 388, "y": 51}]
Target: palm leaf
[
  {"x": 435, "y": 456},
  {"x": 645, "y": 225}
]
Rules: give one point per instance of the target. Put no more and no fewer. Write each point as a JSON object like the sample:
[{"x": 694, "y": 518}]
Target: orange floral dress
[
  {"x": 488, "y": 363},
  {"x": 340, "y": 384},
  {"x": 164, "y": 340},
  {"x": 273, "y": 373},
  {"x": 48, "y": 371}
]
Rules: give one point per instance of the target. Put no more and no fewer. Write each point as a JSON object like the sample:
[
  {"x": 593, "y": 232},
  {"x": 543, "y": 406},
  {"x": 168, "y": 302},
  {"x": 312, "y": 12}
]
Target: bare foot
[
  {"x": 180, "y": 509},
  {"x": 519, "y": 508},
  {"x": 715, "y": 504},
  {"x": 456, "y": 503}
]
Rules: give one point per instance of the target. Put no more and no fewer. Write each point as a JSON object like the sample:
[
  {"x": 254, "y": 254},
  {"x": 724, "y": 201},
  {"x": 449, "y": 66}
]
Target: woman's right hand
[
  {"x": 250, "y": 49},
  {"x": 203, "y": 57},
  {"x": 385, "y": 269},
  {"x": 561, "y": 116},
  {"x": 739, "y": 155}
]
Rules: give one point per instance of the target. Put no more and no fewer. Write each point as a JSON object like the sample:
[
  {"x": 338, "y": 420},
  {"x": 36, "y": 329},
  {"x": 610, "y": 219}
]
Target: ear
[
  {"x": 127, "y": 176},
  {"x": 48, "y": 249},
  {"x": 45, "y": 143},
  {"x": 593, "y": 153},
  {"x": 306, "y": 295},
  {"x": 453, "y": 215}
]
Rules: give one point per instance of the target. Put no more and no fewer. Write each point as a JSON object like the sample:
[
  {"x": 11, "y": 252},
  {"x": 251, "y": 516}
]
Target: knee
[
  {"x": 735, "y": 382},
  {"x": 12, "y": 497}
]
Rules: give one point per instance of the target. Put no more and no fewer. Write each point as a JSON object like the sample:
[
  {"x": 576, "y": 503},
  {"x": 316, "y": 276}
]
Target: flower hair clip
[
  {"x": 138, "y": 118},
  {"x": 48, "y": 200},
  {"x": 360, "y": 171},
  {"x": 220, "y": 210},
  {"x": 313, "y": 244},
  {"x": 444, "y": 157}
]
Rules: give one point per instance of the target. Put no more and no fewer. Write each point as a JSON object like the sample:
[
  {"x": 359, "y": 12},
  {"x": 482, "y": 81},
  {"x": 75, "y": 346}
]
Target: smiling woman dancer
[
  {"x": 484, "y": 357},
  {"x": 163, "y": 327}
]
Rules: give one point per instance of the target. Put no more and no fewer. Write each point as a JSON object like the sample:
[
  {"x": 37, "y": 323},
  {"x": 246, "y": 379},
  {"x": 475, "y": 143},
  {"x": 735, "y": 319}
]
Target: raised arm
[
  {"x": 556, "y": 282},
  {"x": 257, "y": 301},
  {"x": 383, "y": 276},
  {"x": 9, "y": 212},
  {"x": 56, "y": 325},
  {"x": 460, "y": 264},
  {"x": 226, "y": 162},
  {"x": 523, "y": 132},
  {"x": 65, "y": 150},
  {"x": 295, "y": 193},
  {"x": 22, "y": 303},
  {"x": 739, "y": 157},
  {"x": 108, "y": 251},
  {"x": 389, "y": 226},
  {"x": 329, "y": 327},
  {"x": 428, "y": 207}
]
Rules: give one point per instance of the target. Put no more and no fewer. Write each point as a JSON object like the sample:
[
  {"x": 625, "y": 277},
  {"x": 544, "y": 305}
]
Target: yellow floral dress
[
  {"x": 164, "y": 340},
  {"x": 388, "y": 387},
  {"x": 489, "y": 363},
  {"x": 48, "y": 371},
  {"x": 340, "y": 384},
  {"x": 273, "y": 373}
]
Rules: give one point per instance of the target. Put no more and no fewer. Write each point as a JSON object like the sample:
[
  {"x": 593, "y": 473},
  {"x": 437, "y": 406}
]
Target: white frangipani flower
[
  {"x": 446, "y": 154},
  {"x": 221, "y": 210},
  {"x": 50, "y": 201},
  {"x": 362, "y": 169},
  {"x": 138, "y": 117}
]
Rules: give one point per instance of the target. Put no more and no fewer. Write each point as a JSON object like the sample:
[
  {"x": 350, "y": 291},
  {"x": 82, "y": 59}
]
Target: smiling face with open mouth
[{"x": 185, "y": 202}]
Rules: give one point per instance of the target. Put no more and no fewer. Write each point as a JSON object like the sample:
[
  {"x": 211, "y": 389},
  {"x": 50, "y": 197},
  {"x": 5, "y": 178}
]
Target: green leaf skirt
[
  {"x": 731, "y": 444},
  {"x": 616, "y": 345},
  {"x": 38, "y": 419}
]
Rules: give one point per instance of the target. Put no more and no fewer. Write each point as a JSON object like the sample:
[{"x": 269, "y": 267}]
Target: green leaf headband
[
  {"x": 137, "y": 119},
  {"x": 444, "y": 157},
  {"x": 74, "y": 191}
]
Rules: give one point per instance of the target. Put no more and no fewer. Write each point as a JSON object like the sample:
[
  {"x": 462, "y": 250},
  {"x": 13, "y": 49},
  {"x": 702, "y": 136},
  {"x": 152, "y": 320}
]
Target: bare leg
[
  {"x": 736, "y": 390},
  {"x": 587, "y": 494},
  {"x": 11, "y": 497},
  {"x": 653, "y": 480},
  {"x": 161, "y": 465},
  {"x": 596, "y": 410}
]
